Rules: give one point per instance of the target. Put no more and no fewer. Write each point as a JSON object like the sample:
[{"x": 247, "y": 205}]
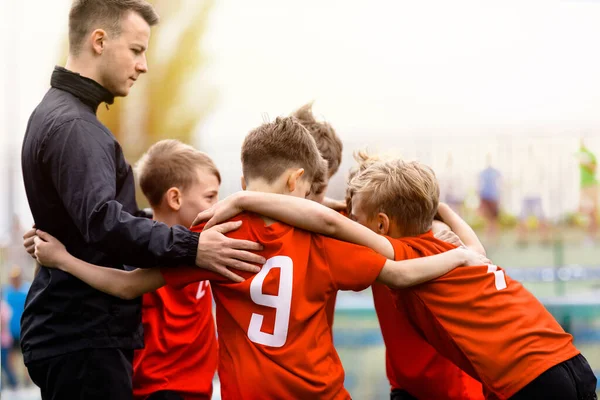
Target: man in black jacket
[{"x": 78, "y": 342}]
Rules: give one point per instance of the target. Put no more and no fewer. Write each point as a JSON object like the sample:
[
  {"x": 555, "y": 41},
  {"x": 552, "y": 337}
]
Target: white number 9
[{"x": 282, "y": 302}]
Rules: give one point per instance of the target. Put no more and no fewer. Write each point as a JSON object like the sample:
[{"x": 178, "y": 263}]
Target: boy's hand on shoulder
[
  {"x": 48, "y": 250},
  {"x": 449, "y": 237},
  {"x": 473, "y": 258},
  {"x": 220, "y": 212}
]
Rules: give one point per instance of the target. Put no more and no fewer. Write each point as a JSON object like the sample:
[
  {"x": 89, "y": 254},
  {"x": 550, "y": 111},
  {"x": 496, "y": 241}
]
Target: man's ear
[
  {"x": 292, "y": 181},
  {"x": 98, "y": 38},
  {"x": 383, "y": 224},
  {"x": 173, "y": 198},
  {"x": 243, "y": 182}
]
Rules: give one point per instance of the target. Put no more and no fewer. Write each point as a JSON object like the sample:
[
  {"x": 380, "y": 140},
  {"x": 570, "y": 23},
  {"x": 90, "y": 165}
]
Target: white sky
[{"x": 384, "y": 73}]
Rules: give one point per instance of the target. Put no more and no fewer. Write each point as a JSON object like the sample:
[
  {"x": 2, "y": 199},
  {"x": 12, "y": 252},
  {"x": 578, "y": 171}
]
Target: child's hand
[
  {"x": 28, "y": 241},
  {"x": 49, "y": 251},
  {"x": 473, "y": 258},
  {"x": 449, "y": 237},
  {"x": 220, "y": 212}
]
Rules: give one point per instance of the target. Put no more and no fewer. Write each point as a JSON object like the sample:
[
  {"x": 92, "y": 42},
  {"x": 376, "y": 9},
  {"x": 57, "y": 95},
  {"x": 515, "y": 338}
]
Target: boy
[
  {"x": 412, "y": 364},
  {"x": 330, "y": 146},
  {"x": 272, "y": 327},
  {"x": 179, "y": 359},
  {"x": 480, "y": 319}
]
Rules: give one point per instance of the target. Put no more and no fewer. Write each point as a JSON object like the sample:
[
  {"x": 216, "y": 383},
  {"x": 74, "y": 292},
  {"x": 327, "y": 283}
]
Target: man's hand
[
  {"x": 28, "y": 241},
  {"x": 49, "y": 251},
  {"x": 220, "y": 212},
  {"x": 217, "y": 252}
]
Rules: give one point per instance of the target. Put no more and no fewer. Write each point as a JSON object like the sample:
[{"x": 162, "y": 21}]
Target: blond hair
[
  {"x": 269, "y": 150},
  {"x": 171, "y": 163},
  {"x": 407, "y": 191},
  {"x": 87, "y": 15},
  {"x": 329, "y": 144}
]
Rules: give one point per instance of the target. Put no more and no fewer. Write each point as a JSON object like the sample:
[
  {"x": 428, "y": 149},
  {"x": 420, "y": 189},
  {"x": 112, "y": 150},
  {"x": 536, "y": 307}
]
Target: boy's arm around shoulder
[
  {"x": 123, "y": 284},
  {"x": 461, "y": 228}
]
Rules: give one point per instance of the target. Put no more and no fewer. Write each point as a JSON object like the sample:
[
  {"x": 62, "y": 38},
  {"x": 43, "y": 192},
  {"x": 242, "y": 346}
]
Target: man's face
[
  {"x": 124, "y": 57},
  {"x": 360, "y": 214},
  {"x": 201, "y": 195}
]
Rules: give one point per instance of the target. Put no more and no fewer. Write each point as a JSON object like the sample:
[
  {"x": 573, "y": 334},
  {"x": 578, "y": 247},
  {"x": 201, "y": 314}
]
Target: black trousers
[
  {"x": 90, "y": 374},
  {"x": 164, "y": 395},
  {"x": 399, "y": 394},
  {"x": 570, "y": 380}
]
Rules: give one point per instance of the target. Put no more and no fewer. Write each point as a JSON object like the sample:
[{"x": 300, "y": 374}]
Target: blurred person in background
[
  {"x": 588, "y": 201},
  {"x": 7, "y": 342},
  {"x": 451, "y": 187},
  {"x": 532, "y": 210},
  {"x": 77, "y": 342},
  {"x": 489, "y": 197},
  {"x": 15, "y": 294}
]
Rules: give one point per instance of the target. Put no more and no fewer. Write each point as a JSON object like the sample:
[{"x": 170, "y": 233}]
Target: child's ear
[
  {"x": 173, "y": 198},
  {"x": 243, "y": 182},
  {"x": 383, "y": 224},
  {"x": 292, "y": 181}
]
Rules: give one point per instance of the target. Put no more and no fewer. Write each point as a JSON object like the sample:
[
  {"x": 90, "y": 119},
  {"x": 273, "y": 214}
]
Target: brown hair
[
  {"x": 407, "y": 192},
  {"x": 170, "y": 163},
  {"x": 87, "y": 15},
  {"x": 328, "y": 142},
  {"x": 276, "y": 146}
]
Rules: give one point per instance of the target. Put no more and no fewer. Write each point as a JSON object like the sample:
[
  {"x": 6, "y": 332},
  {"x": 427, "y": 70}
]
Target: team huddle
[
  {"x": 455, "y": 325},
  {"x": 272, "y": 257}
]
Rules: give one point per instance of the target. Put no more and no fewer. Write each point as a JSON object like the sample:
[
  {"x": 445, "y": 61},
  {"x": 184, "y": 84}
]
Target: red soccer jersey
[
  {"x": 180, "y": 352},
  {"x": 274, "y": 339},
  {"x": 412, "y": 364},
  {"x": 486, "y": 323}
]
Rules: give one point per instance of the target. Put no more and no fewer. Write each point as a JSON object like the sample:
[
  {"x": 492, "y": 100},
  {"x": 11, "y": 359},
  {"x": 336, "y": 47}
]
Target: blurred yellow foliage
[{"x": 160, "y": 105}]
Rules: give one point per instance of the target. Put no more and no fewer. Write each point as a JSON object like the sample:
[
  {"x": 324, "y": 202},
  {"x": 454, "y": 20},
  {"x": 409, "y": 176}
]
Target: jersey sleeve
[
  {"x": 180, "y": 277},
  {"x": 402, "y": 251},
  {"x": 352, "y": 267}
]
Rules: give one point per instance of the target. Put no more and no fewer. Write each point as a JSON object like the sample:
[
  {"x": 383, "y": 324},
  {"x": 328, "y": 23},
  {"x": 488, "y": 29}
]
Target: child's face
[
  {"x": 361, "y": 215},
  {"x": 201, "y": 195}
]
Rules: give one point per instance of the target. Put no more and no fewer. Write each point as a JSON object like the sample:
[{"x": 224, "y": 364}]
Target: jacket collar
[{"x": 85, "y": 89}]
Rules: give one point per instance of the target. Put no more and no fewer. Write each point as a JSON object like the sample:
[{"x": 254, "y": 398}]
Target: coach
[{"x": 78, "y": 342}]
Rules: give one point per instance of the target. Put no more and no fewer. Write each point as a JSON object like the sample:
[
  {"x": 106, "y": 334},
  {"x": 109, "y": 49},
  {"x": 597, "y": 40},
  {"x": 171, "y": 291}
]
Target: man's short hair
[
  {"x": 269, "y": 150},
  {"x": 88, "y": 15},
  {"x": 406, "y": 191},
  {"x": 328, "y": 142},
  {"x": 171, "y": 163}
]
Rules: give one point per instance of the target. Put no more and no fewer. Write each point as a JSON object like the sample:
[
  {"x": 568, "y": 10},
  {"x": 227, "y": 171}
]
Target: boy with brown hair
[
  {"x": 487, "y": 324},
  {"x": 179, "y": 358},
  {"x": 329, "y": 144},
  {"x": 274, "y": 324}
]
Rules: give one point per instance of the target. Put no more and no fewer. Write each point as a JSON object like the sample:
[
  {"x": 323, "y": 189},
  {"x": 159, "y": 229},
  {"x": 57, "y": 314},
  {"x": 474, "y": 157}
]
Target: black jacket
[{"x": 81, "y": 190}]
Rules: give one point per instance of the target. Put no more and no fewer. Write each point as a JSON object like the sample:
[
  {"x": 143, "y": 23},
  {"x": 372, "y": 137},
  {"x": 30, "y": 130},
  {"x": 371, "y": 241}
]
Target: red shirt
[
  {"x": 274, "y": 338},
  {"x": 483, "y": 321},
  {"x": 180, "y": 352},
  {"x": 412, "y": 364}
]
